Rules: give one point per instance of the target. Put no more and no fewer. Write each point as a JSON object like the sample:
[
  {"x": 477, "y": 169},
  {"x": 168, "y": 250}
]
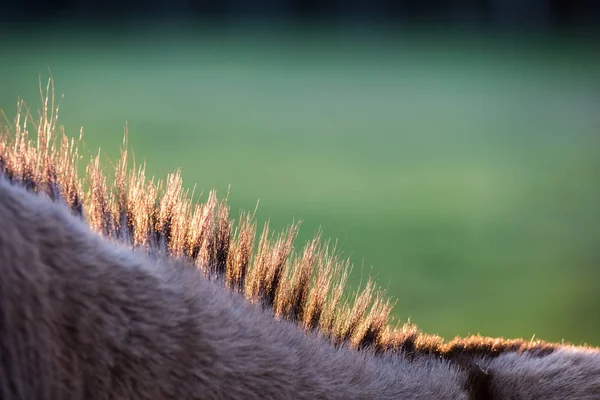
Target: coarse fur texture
[
  {"x": 85, "y": 318},
  {"x": 130, "y": 290}
]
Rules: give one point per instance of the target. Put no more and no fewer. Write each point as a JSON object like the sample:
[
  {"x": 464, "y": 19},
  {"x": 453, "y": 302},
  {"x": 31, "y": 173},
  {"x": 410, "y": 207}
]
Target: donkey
[{"x": 130, "y": 290}]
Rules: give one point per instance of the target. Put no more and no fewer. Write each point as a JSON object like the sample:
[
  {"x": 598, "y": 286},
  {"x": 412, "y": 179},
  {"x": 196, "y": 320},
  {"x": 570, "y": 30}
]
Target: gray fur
[
  {"x": 82, "y": 317},
  {"x": 85, "y": 318},
  {"x": 569, "y": 373}
]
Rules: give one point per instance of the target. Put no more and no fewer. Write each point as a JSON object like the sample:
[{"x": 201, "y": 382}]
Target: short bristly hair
[{"x": 127, "y": 287}]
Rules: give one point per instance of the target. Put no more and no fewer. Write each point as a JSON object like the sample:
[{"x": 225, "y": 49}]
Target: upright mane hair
[{"x": 127, "y": 288}]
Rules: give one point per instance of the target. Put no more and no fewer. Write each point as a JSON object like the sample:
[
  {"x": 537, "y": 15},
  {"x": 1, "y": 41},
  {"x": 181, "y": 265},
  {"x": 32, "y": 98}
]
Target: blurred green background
[{"x": 462, "y": 171}]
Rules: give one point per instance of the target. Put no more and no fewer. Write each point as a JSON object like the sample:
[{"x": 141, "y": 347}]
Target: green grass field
[{"x": 465, "y": 176}]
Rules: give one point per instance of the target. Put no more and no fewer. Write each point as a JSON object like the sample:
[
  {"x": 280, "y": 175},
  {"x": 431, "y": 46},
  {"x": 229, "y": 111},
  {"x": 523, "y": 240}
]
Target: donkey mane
[{"x": 306, "y": 288}]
